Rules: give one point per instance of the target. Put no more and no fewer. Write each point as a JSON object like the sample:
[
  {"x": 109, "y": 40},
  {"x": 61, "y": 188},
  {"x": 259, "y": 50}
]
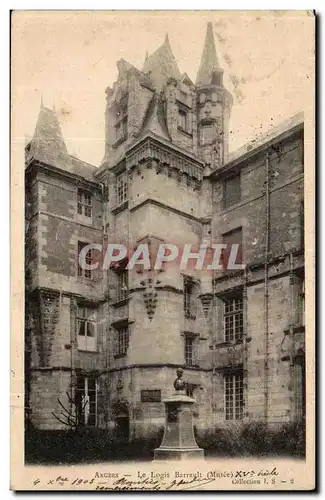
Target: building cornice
[
  {"x": 165, "y": 207},
  {"x": 121, "y": 368},
  {"x": 37, "y": 166},
  {"x": 166, "y": 153},
  {"x": 157, "y": 148},
  {"x": 67, "y": 293},
  {"x": 157, "y": 365},
  {"x": 245, "y": 154}
]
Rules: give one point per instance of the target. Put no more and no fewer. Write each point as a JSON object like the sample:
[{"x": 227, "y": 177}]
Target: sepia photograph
[{"x": 164, "y": 205}]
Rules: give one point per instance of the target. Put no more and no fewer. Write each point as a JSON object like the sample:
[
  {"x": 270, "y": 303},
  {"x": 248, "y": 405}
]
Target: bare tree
[{"x": 71, "y": 417}]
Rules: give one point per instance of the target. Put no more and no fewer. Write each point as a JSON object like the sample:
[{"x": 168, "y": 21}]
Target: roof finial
[
  {"x": 42, "y": 104},
  {"x": 166, "y": 38},
  {"x": 147, "y": 55},
  {"x": 54, "y": 107}
]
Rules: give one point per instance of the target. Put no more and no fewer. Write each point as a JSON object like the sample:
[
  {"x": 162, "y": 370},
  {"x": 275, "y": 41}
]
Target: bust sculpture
[
  {"x": 179, "y": 383},
  {"x": 178, "y": 442}
]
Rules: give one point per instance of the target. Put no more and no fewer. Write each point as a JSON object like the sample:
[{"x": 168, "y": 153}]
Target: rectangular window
[
  {"x": 234, "y": 396},
  {"x": 207, "y": 134},
  {"x": 86, "y": 400},
  {"x": 122, "y": 285},
  {"x": 299, "y": 387},
  {"x": 189, "y": 350},
  {"x": 121, "y": 188},
  {"x": 122, "y": 340},
  {"x": 84, "y": 205},
  {"x": 86, "y": 329},
  {"x": 89, "y": 260},
  {"x": 105, "y": 193},
  {"x": 233, "y": 318},
  {"x": 121, "y": 128},
  {"x": 182, "y": 119},
  {"x": 232, "y": 191},
  {"x": 189, "y": 298}
]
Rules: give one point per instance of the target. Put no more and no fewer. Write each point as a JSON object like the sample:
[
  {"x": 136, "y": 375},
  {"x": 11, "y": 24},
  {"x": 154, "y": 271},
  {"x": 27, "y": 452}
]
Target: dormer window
[
  {"x": 184, "y": 123},
  {"x": 121, "y": 129},
  {"x": 121, "y": 125},
  {"x": 182, "y": 119}
]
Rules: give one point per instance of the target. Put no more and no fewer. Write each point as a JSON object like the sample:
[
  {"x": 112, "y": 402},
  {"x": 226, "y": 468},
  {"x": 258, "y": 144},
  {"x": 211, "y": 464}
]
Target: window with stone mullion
[{"x": 233, "y": 319}]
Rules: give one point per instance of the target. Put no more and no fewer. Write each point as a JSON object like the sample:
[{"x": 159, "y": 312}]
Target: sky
[{"x": 69, "y": 58}]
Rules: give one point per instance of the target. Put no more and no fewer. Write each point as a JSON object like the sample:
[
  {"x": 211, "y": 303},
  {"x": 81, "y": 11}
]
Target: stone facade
[{"x": 102, "y": 348}]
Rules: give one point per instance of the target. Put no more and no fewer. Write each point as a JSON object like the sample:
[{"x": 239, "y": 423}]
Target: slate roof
[
  {"x": 275, "y": 134},
  {"x": 162, "y": 65},
  {"x": 48, "y": 146},
  {"x": 209, "y": 64}
]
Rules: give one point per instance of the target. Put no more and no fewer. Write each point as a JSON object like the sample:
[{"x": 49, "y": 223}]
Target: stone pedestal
[{"x": 178, "y": 442}]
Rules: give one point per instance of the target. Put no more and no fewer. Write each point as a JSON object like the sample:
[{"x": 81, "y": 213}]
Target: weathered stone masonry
[{"x": 104, "y": 346}]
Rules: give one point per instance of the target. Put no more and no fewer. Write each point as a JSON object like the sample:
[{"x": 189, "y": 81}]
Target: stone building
[{"x": 104, "y": 344}]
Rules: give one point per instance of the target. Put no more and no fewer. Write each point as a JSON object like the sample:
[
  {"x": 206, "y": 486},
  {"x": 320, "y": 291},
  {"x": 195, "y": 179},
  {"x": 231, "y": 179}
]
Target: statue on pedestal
[{"x": 179, "y": 442}]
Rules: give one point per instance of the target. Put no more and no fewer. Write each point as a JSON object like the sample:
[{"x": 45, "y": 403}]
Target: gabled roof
[
  {"x": 125, "y": 67},
  {"x": 162, "y": 65},
  {"x": 209, "y": 62},
  {"x": 186, "y": 79},
  {"x": 155, "y": 119}
]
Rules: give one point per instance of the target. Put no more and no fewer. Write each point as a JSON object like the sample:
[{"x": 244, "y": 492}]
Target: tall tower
[
  {"x": 163, "y": 135},
  {"x": 214, "y": 106},
  {"x": 154, "y": 175}
]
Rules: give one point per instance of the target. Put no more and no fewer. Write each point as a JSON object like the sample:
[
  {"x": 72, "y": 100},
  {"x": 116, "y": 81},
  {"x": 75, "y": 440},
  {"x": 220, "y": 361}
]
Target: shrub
[
  {"x": 86, "y": 445},
  {"x": 254, "y": 439},
  {"x": 93, "y": 445},
  {"x": 290, "y": 439}
]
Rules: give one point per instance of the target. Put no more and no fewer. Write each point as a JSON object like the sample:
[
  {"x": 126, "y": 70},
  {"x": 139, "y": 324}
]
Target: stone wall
[
  {"x": 286, "y": 195},
  {"x": 59, "y": 230},
  {"x": 46, "y": 387},
  {"x": 164, "y": 207},
  {"x": 268, "y": 385},
  {"x": 146, "y": 417}
]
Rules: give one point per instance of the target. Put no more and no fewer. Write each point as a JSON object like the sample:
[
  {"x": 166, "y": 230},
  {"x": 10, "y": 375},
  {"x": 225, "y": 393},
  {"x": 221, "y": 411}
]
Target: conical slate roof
[
  {"x": 209, "y": 65},
  {"x": 162, "y": 65},
  {"x": 47, "y": 144}
]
